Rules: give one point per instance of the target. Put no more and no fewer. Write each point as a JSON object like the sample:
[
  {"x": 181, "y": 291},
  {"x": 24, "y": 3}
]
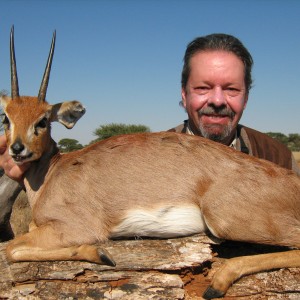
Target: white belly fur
[{"x": 167, "y": 222}]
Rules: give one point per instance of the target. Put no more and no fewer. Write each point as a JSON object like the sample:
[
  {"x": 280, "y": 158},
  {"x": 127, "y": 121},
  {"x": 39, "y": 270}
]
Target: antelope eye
[
  {"x": 42, "y": 123},
  {"x": 5, "y": 120}
]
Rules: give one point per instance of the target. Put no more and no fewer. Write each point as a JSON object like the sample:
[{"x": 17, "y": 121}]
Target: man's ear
[
  {"x": 245, "y": 101},
  {"x": 67, "y": 113},
  {"x": 183, "y": 97}
]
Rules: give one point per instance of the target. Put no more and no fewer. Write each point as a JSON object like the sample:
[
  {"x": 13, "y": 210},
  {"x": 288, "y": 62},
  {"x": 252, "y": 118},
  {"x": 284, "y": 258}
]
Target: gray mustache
[{"x": 222, "y": 111}]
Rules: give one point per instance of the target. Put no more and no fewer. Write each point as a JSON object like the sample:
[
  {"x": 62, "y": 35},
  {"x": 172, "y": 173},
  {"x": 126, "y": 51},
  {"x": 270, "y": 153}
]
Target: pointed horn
[
  {"x": 13, "y": 67},
  {"x": 44, "y": 84}
]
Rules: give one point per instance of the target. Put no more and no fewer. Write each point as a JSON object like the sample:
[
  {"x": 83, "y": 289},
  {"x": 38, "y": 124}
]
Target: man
[{"x": 216, "y": 80}]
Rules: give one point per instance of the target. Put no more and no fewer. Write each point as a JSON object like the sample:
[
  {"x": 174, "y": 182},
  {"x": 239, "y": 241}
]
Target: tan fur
[{"x": 80, "y": 198}]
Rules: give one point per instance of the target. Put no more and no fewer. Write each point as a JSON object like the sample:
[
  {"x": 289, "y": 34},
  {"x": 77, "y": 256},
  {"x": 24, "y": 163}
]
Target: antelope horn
[
  {"x": 13, "y": 67},
  {"x": 44, "y": 84}
]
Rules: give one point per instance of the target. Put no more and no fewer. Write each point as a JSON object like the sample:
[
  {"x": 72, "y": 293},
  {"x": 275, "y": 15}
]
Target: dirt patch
[{"x": 196, "y": 281}]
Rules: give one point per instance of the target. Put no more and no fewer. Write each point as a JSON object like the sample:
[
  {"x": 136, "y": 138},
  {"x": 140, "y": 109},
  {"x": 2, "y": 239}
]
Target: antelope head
[{"x": 27, "y": 120}]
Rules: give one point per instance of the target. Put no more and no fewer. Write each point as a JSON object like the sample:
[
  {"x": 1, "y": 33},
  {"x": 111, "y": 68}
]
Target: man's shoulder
[
  {"x": 262, "y": 138},
  {"x": 264, "y": 146},
  {"x": 182, "y": 128}
]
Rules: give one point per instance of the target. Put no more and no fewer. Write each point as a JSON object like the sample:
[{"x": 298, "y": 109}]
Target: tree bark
[{"x": 146, "y": 269}]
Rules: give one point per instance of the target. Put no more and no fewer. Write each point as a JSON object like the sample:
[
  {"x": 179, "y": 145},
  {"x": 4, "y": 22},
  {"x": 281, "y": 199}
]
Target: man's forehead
[{"x": 216, "y": 64}]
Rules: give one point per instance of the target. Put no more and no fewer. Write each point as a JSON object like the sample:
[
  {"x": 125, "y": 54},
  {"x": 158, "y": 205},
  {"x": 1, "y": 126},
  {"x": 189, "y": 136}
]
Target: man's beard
[
  {"x": 220, "y": 135},
  {"x": 216, "y": 132}
]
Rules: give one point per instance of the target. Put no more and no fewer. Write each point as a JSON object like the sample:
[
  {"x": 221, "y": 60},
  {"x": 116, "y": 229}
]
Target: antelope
[{"x": 160, "y": 185}]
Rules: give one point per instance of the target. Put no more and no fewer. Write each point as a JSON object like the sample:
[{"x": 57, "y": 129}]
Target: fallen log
[{"x": 146, "y": 269}]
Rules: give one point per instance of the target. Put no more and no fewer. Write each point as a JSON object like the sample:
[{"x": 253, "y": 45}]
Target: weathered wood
[
  {"x": 9, "y": 191},
  {"x": 146, "y": 269}
]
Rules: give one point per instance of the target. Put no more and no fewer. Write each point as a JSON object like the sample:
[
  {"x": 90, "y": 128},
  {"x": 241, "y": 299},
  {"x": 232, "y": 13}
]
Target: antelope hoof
[
  {"x": 211, "y": 293},
  {"x": 106, "y": 258}
]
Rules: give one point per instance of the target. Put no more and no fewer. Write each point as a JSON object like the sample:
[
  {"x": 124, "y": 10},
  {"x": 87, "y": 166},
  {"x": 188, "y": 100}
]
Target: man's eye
[
  {"x": 233, "y": 91},
  {"x": 201, "y": 89},
  {"x": 42, "y": 123}
]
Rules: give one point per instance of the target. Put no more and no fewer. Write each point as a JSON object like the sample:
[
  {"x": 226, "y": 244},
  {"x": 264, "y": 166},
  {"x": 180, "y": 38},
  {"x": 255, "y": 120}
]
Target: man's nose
[{"x": 217, "y": 97}]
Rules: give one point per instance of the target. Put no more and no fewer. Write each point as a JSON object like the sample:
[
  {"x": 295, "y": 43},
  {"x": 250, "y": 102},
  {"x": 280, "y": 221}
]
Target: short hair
[{"x": 218, "y": 41}]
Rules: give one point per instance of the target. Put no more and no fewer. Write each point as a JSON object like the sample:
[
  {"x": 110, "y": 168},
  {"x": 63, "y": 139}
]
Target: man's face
[{"x": 215, "y": 95}]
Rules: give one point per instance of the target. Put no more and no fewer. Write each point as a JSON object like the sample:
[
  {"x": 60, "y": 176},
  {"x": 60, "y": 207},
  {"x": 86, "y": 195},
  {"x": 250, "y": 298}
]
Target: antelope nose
[{"x": 17, "y": 147}]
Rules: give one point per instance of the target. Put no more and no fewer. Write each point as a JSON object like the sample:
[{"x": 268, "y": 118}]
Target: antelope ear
[
  {"x": 4, "y": 100},
  {"x": 67, "y": 113}
]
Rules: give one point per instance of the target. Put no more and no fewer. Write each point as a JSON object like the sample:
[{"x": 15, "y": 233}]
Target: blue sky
[{"x": 123, "y": 58}]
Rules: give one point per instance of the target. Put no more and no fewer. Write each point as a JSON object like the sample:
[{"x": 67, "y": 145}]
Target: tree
[
  {"x": 282, "y": 138},
  {"x": 69, "y": 145},
  {"x": 112, "y": 129},
  {"x": 292, "y": 141}
]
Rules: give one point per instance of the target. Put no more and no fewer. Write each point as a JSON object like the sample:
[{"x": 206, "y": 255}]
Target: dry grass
[
  {"x": 297, "y": 157},
  {"x": 21, "y": 215}
]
